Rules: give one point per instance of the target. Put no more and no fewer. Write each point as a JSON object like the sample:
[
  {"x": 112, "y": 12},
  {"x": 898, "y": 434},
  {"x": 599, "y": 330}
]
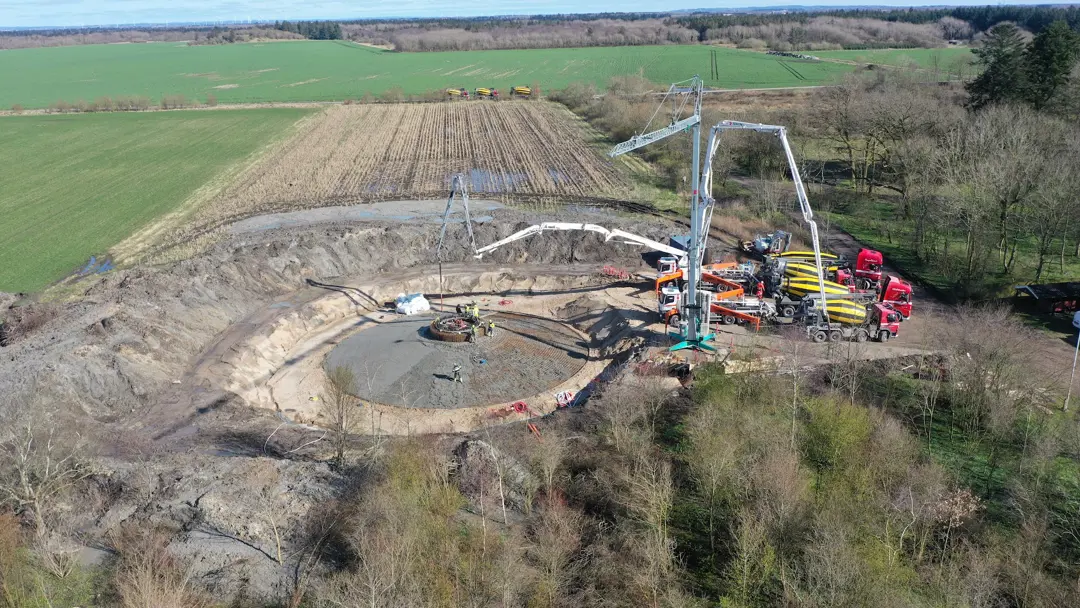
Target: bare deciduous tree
[
  {"x": 714, "y": 459},
  {"x": 624, "y": 411},
  {"x": 556, "y": 535},
  {"x": 995, "y": 164},
  {"x": 41, "y": 457},
  {"x": 647, "y": 496},
  {"x": 147, "y": 575},
  {"x": 340, "y": 410},
  {"x": 547, "y": 457}
]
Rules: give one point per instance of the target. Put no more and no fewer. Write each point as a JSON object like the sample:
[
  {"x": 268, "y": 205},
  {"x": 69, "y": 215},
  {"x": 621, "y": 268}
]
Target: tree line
[
  {"x": 312, "y": 30},
  {"x": 827, "y": 33},
  {"x": 850, "y": 28},
  {"x": 979, "y": 18},
  {"x": 522, "y": 35},
  {"x": 810, "y": 30}
]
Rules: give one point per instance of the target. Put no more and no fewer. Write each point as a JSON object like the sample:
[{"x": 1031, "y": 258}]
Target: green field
[
  {"x": 327, "y": 71},
  {"x": 73, "y": 186},
  {"x": 902, "y": 57}
]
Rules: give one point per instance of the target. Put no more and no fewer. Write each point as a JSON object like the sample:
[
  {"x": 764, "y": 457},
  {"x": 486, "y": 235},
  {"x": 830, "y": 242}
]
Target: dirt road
[{"x": 1054, "y": 355}]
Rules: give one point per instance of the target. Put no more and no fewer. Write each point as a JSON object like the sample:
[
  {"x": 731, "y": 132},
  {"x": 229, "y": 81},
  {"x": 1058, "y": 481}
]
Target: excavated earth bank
[{"x": 145, "y": 348}]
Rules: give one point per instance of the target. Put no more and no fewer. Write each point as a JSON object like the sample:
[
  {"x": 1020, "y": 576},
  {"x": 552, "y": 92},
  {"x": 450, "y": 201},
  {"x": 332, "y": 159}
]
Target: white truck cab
[
  {"x": 668, "y": 301},
  {"x": 669, "y": 264}
]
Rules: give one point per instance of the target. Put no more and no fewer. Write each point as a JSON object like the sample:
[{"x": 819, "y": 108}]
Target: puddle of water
[
  {"x": 587, "y": 209},
  {"x": 95, "y": 267},
  {"x": 481, "y": 180},
  {"x": 325, "y": 215},
  {"x": 558, "y": 176}
]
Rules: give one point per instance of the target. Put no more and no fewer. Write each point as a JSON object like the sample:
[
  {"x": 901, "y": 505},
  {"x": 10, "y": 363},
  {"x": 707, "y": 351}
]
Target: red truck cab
[
  {"x": 897, "y": 293},
  {"x": 887, "y": 318},
  {"x": 868, "y": 268}
]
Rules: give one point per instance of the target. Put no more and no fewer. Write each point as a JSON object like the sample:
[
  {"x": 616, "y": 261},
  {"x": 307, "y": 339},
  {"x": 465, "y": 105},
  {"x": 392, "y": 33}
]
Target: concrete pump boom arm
[
  {"x": 640, "y": 141},
  {"x": 619, "y": 236},
  {"x": 694, "y": 91},
  {"x": 800, "y": 190}
]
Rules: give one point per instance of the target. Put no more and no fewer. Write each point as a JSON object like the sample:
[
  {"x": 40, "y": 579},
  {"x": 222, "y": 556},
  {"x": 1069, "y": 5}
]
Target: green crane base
[{"x": 699, "y": 344}]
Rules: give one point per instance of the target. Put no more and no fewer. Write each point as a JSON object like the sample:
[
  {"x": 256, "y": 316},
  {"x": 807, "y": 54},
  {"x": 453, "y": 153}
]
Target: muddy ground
[
  {"x": 399, "y": 363},
  {"x": 115, "y": 363}
]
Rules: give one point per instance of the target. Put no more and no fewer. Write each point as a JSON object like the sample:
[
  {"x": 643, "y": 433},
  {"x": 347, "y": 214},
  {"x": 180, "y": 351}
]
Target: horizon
[{"x": 36, "y": 14}]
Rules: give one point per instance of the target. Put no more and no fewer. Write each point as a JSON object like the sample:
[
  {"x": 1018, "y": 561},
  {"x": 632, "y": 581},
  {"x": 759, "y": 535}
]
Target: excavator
[{"x": 768, "y": 244}]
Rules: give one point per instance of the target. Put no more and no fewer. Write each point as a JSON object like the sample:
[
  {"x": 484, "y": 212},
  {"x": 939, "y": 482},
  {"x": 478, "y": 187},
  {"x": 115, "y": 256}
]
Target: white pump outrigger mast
[
  {"x": 800, "y": 189},
  {"x": 682, "y": 94}
]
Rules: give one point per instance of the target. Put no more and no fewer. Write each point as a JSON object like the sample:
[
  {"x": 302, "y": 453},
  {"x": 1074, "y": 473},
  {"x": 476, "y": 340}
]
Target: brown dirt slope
[{"x": 115, "y": 351}]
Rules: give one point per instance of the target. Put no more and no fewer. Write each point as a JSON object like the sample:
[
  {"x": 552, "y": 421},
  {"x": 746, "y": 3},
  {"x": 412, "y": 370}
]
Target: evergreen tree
[
  {"x": 1050, "y": 58},
  {"x": 1003, "y": 77}
]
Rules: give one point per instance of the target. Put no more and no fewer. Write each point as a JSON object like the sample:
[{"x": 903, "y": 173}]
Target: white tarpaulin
[{"x": 412, "y": 304}]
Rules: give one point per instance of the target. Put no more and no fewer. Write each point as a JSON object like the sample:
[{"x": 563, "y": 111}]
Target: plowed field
[
  {"x": 511, "y": 151},
  {"x": 378, "y": 152}
]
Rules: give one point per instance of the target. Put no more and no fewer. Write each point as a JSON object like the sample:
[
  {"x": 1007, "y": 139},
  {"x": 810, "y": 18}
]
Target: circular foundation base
[{"x": 401, "y": 363}]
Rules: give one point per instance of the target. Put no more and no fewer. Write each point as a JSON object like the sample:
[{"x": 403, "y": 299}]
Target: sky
[{"x": 36, "y": 13}]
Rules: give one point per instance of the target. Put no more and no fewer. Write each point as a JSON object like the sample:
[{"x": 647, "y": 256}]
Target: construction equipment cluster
[
  {"x": 833, "y": 299},
  {"x": 487, "y": 93}
]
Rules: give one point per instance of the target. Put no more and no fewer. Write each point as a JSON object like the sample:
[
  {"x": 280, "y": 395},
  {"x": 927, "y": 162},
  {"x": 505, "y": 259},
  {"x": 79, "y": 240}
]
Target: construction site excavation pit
[
  {"x": 556, "y": 329},
  {"x": 401, "y": 363}
]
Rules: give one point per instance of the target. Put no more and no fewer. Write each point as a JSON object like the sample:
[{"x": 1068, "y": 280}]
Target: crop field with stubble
[
  {"x": 73, "y": 186},
  {"x": 364, "y": 153}
]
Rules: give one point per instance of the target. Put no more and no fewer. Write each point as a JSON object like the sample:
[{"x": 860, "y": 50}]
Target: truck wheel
[
  {"x": 820, "y": 336},
  {"x": 673, "y": 321},
  {"x": 787, "y": 311},
  {"x": 835, "y": 335},
  {"x": 861, "y": 335},
  {"x": 863, "y": 284},
  {"x": 729, "y": 320},
  {"x": 883, "y": 335}
]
